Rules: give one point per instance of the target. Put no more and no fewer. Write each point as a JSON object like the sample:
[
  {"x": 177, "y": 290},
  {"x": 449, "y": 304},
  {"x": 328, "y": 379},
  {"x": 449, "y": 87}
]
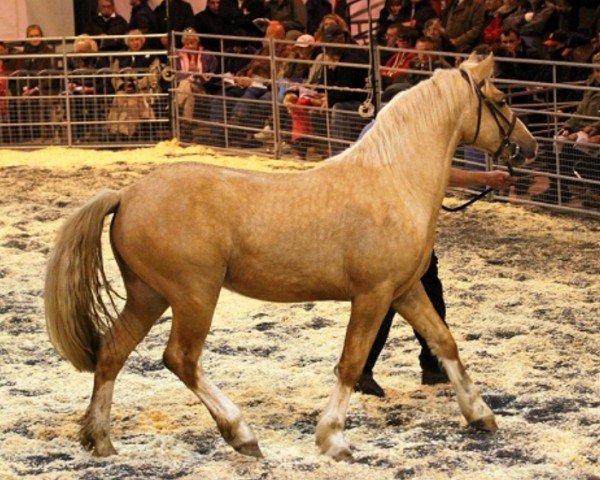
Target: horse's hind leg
[
  {"x": 143, "y": 307},
  {"x": 417, "y": 310},
  {"x": 191, "y": 323},
  {"x": 367, "y": 314}
]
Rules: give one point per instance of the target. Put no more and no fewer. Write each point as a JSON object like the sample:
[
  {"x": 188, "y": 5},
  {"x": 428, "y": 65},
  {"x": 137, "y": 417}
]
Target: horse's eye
[{"x": 501, "y": 103}]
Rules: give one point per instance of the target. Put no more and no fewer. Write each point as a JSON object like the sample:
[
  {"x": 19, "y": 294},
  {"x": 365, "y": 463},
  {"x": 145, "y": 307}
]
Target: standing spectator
[
  {"x": 107, "y": 22},
  {"x": 240, "y": 16},
  {"x": 142, "y": 17},
  {"x": 389, "y": 14},
  {"x": 290, "y": 13},
  {"x": 414, "y": 14},
  {"x": 315, "y": 12},
  {"x": 209, "y": 21},
  {"x": 493, "y": 19},
  {"x": 180, "y": 17},
  {"x": 534, "y": 21},
  {"x": 462, "y": 21}
]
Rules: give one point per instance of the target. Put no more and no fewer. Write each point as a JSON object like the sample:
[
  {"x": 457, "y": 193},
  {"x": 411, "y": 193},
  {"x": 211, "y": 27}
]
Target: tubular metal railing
[{"x": 106, "y": 103}]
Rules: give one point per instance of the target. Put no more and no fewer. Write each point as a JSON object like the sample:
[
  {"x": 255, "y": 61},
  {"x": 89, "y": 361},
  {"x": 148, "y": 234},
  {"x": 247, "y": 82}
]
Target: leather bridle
[{"x": 508, "y": 150}]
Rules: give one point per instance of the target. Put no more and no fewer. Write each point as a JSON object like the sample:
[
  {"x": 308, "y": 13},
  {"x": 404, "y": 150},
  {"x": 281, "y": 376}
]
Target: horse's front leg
[
  {"x": 417, "y": 310},
  {"x": 366, "y": 316}
]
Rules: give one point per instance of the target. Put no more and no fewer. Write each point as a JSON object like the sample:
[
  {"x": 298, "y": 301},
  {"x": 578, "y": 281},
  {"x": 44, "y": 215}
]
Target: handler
[{"x": 432, "y": 372}]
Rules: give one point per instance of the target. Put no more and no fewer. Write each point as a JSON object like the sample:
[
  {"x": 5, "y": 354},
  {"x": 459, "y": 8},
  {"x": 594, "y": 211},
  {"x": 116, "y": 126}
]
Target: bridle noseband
[{"x": 508, "y": 150}]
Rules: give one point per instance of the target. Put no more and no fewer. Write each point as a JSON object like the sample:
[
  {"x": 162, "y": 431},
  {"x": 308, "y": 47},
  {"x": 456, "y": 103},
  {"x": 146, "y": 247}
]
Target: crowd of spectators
[{"x": 313, "y": 49}]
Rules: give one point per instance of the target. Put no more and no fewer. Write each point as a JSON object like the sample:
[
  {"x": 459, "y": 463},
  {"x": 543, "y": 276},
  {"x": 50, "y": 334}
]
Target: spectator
[
  {"x": 315, "y": 12},
  {"x": 107, "y": 22},
  {"x": 137, "y": 76},
  {"x": 240, "y": 16},
  {"x": 83, "y": 105},
  {"x": 142, "y": 18},
  {"x": 555, "y": 45},
  {"x": 389, "y": 14},
  {"x": 414, "y": 14},
  {"x": 585, "y": 133},
  {"x": 534, "y": 21},
  {"x": 255, "y": 80},
  {"x": 181, "y": 16},
  {"x": 513, "y": 43},
  {"x": 434, "y": 30},
  {"x": 397, "y": 36},
  {"x": 345, "y": 122},
  {"x": 192, "y": 65},
  {"x": 4, "y": 72},
  {"x": 33, "y": 109},
  {"x": 290, "y": 13},
  {"x": 334, "y": 19},
  {"x": 209, "y": 21},
  {"x": 223, "y": 84},
  {"x": 462, "y": 21},
  {"x": 493, "y": 19}
]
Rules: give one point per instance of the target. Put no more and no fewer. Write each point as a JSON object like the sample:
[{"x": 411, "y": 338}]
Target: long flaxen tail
[{"x": 76, "y": 314}]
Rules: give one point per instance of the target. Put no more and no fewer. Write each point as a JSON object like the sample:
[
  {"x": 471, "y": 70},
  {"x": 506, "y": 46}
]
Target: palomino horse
[{"x": 360, "y": 227}]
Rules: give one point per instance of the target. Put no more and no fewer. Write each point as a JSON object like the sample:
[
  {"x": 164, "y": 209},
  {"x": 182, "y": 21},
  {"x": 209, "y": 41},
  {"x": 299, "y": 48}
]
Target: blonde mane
[{"x": 412, "y": 119}]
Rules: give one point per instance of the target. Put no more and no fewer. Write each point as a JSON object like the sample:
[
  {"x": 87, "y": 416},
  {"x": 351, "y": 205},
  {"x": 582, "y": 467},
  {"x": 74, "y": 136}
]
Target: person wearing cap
[{"x": 555, "y": 44}]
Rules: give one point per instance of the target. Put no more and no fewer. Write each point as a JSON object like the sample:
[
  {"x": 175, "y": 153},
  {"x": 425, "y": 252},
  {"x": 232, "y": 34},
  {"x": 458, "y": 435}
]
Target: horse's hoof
[
  {"x": 340, "y": 454},
  {"x": 486, "y": 424},
  {"x": 251, "y": 449}
]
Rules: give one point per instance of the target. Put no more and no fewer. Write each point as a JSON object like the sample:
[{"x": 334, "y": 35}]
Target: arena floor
[{"x": 522, "y": 287}]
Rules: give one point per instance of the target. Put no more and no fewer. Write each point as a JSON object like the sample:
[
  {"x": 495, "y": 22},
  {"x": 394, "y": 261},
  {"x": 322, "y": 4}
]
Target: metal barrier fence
[{"x": 127, "y": 98}]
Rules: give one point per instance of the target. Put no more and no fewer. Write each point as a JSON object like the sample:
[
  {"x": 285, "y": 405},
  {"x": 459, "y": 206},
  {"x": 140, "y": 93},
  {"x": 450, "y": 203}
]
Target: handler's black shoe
[
  {"x": 366, "y": 384},
  {"x": 433, "y": 376}
]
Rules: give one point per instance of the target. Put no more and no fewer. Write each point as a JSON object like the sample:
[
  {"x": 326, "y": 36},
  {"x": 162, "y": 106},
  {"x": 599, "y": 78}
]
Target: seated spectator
[
  {"x": 344, "y": 104},
  {"x": 397, "y": 36},
  {"x": 334, "y": 19},
  {"x": 423, "y": 62},
  {"x": 534, "y": 21},
  {"x": 414, "y": 14},
  {"x": 434, "y": 30},
  {"x": 585, "y": 133},
  {"x": 511, "y": 40},
  {"x": 255, "y": 82},
  {"x": 289, "y": 13},
  {"x": 4, "y": 72},
  {"x": 107, "y": 22},
  {"x": 294, "y": 70},
  {"x": 137, "y": 75},
  {"x": 389, "y": 14},
  {"x": 462, "y": 22},
  {"x": 181, "y": 16},
  {"x": 209, "y": 21},
  {"x": 32, "y": 109},
  {"x": 192, "y": 66},
  {"x": 82, "y": 87}
]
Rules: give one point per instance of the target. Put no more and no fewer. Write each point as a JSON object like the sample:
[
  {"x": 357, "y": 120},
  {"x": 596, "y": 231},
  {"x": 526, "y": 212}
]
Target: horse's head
[{"x": 491, "y": 125}]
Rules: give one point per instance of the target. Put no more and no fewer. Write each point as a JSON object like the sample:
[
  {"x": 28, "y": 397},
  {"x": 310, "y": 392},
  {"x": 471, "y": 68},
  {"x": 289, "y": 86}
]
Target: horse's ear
[{"x": 483, "y": 69}]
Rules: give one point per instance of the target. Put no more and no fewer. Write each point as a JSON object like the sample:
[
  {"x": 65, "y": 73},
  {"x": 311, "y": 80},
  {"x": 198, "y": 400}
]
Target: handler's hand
[{"x": 498, "y": 179}]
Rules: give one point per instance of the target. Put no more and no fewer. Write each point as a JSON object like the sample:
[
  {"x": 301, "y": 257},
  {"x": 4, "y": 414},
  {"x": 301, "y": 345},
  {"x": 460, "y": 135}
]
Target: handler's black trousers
[{"x": 434, "y": 290}]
